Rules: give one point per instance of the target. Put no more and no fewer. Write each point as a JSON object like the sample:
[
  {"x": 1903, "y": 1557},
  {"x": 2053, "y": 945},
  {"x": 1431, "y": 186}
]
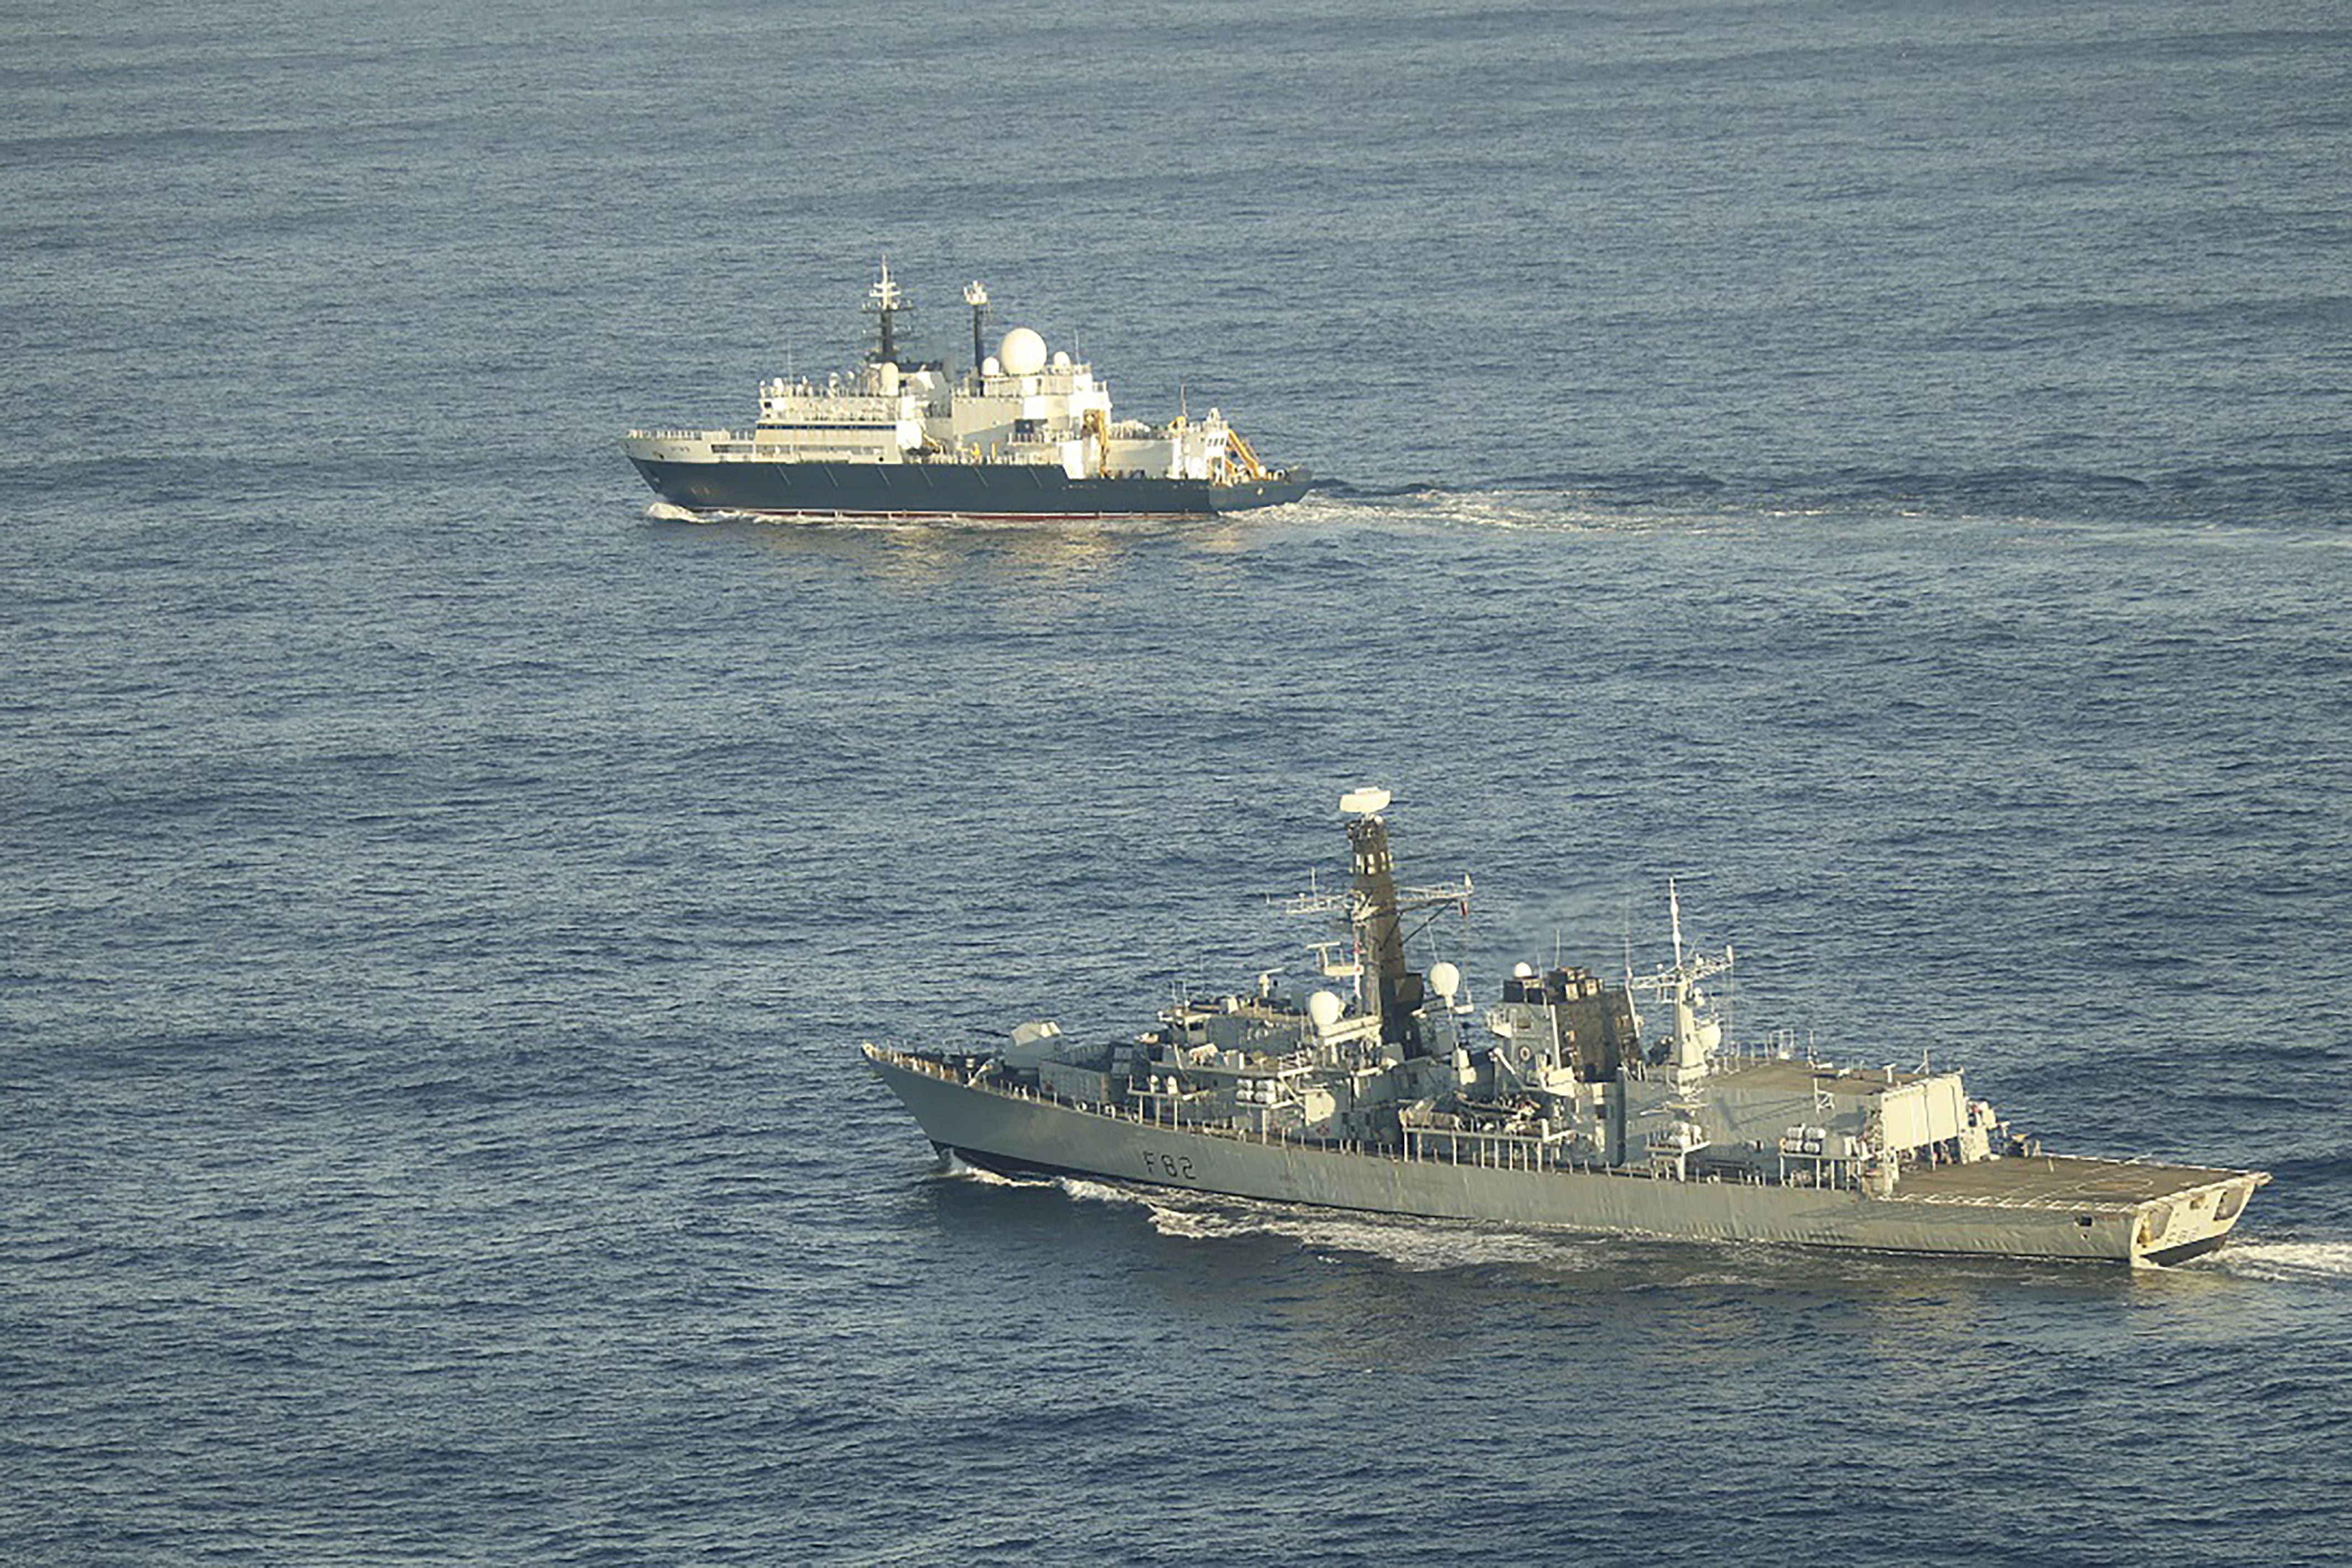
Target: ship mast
[
  {"x": 1395, "y": 989},
  {"x": 883, "y": 301},
  {"x": 1696, "y": 1030},
  {"x": 976, "y": 296}
]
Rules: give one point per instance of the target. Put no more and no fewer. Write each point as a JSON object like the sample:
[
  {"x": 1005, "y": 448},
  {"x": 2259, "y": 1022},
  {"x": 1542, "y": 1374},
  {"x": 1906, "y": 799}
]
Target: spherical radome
[{"x": 1022, "y": 353}]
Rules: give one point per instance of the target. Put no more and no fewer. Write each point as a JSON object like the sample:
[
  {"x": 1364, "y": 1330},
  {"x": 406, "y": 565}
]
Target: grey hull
[
  {"x": 1003, "y": 490},
  {"x": 1015, "y": 1130}
]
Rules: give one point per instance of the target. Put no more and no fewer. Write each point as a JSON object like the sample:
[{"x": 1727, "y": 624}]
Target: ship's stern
[{"x": 2186, "y": 1225}]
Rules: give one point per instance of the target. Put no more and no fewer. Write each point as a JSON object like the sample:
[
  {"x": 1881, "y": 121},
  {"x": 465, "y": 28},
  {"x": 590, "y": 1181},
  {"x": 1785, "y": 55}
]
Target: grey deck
[{"x": 2057, "y": 1181}]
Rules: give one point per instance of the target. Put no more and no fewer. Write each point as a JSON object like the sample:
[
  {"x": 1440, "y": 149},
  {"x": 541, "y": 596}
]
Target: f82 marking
[{"x": 1167, "y": 1167}]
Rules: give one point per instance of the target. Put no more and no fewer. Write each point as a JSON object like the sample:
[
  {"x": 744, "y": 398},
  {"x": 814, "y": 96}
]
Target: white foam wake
[
  {"x": 964, "y": 1170},
  {"x": 1417, "y": 1245},
  {"x": 2289, "y": 1261},
  {"x": 1100, "y": 1191},
  {"x": 1423, "y": 1246}
]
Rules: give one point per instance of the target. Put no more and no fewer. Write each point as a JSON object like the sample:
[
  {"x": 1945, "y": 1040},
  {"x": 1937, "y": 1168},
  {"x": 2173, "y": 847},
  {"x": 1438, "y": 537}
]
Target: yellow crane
[
  {"x": 1097, "y": 428},
  {"x": 1241, "y": 463}
]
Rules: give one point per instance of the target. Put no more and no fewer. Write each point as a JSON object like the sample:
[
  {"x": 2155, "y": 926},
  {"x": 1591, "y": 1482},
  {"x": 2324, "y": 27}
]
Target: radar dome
[
  {"x": 1022, "y": 353},
  {"x": 1061, "y": 361},
  {"x": 1446, "y": 979},
  {"x": 1324, "y": 1008},
  {"x": 1523, "y": 971}
]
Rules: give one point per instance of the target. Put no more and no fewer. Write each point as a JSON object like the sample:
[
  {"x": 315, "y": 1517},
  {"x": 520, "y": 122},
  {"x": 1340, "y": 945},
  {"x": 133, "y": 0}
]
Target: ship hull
[
  {"x": 1015, "y": 1131},
  {"x": 1027, "y": 492}
]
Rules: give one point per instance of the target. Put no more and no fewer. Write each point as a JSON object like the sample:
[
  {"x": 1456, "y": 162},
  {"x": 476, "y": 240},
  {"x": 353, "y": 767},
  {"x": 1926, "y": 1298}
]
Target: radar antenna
[
  {"x": 975, "y": 296},
  {"x": 1374, "y": 907},
  {"x": 1698, "y": 1029},
  {"x": 883, "y": 301}
]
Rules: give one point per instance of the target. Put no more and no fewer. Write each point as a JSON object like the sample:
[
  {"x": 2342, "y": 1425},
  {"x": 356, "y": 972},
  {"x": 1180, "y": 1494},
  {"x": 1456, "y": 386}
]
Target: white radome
[
  {"x": 1021, "y": 352},
  {"x": 1325, "y": 1008}
]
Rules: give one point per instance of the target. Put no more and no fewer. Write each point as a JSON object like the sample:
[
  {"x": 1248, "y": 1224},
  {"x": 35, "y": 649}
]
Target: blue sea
[{"x": 1886, "y": 465}]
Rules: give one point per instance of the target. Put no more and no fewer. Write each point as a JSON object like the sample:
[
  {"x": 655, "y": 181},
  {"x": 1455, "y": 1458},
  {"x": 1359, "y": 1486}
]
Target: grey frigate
[
  {"x": 1597, "y": 1104},
  {"x": 1024, "y": 436}
]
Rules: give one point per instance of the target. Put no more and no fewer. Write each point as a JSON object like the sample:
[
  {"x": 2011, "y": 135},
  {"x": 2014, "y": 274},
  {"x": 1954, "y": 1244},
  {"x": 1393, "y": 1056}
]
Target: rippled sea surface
[{"x": 1890, "y": 466}]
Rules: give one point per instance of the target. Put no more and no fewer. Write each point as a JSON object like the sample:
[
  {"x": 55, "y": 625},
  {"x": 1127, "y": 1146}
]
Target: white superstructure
[{"x": 1023, "y": 405}]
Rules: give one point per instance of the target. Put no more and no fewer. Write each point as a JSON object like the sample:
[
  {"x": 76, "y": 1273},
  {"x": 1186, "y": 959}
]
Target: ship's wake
[
  {"x": 1412, "y": 1244},
  {"x": 2293, "y": 1262}
]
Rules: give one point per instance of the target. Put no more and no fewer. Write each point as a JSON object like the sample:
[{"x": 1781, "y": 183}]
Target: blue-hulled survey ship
[{"x": 1025, "y": 435}]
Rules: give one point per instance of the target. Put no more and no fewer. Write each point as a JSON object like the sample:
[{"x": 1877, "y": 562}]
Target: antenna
[
  {"x": 1675, "y": 908},
  {"x": 883, "y": 301},
  {"x": 975, "y": 296}
]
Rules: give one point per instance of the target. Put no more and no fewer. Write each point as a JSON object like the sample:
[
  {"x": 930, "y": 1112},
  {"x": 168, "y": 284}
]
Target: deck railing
[{"x": 1498, "y": 1152}]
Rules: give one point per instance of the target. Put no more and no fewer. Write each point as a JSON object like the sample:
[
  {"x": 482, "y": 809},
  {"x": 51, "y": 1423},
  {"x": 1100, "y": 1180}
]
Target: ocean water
[{"x": 1890, "y": 466}]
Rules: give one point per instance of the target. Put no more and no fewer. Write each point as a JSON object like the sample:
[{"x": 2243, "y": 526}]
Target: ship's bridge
[{"x": 878, "y": 417}]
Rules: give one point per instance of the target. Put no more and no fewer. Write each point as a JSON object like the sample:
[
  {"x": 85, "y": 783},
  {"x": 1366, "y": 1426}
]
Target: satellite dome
[
  {"x": 1061, "y": 360},
  {"x": 1324, "y": 1008},
  {"x": 1022, "y": 353},
  {"x": 1523, "y": 971},
  {"x": 1444, "y": 979}
]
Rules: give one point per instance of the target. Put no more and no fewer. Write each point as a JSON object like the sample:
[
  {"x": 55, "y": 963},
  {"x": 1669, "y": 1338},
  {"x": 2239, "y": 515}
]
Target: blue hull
[{"x": 1020, "y": 491}]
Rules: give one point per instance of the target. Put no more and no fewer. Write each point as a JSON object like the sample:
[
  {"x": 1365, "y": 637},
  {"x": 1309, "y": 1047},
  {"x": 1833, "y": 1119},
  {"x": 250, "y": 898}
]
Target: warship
[
  {"x": 1614, "y": 1106},
  {"x": 1024, "y": 436}
]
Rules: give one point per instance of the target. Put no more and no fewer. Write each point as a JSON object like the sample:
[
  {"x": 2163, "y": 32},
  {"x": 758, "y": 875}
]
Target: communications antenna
[
  {"x": 883, "y": 301},
  {"x": 976, "y": 296}
]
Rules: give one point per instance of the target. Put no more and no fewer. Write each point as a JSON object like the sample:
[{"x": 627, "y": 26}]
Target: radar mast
[
  {"x": 1374, "y": 907},
  {"x": 975, "y": 296},
  {"x": 883, "y": 301}
]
